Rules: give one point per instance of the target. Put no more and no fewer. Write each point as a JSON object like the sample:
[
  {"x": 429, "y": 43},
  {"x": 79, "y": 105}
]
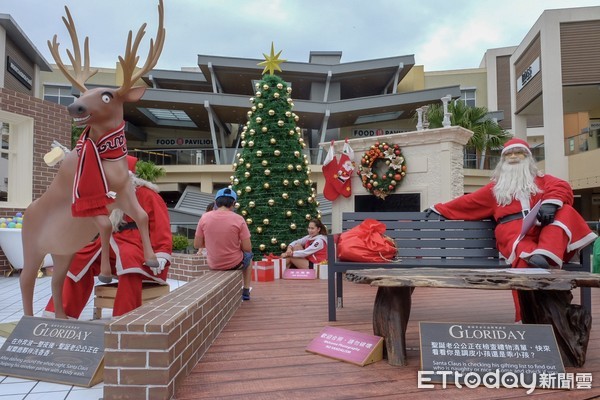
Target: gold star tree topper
[{"x": 272, "y": 61}]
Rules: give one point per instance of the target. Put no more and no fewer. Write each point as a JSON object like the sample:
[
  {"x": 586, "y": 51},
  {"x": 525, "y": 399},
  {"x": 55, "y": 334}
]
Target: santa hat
[
  {"x": 516, "y": 143},
  {"x": 131, "y": 161}
]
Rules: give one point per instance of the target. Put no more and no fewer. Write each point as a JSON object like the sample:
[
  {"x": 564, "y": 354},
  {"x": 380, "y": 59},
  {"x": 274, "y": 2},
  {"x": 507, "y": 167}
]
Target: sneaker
[{"x": 246, "y": 294}]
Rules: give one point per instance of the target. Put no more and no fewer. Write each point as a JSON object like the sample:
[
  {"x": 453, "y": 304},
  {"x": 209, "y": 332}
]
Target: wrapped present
[
  {"x": 323, "y": 270},
  {"x": 279, "y": 264},
  {"x": 263, "y": 271}
]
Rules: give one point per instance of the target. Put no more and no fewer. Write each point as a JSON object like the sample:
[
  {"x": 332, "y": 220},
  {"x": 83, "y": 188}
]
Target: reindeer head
[{"x": 102, "y": 108}]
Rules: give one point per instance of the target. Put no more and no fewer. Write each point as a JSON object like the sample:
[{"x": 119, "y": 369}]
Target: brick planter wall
[
  {"x": 150, "y": 350},
  {"x": 187, "y": 267}
]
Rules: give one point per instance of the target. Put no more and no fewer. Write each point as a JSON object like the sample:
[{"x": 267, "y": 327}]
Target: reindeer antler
[
  {"x": 129, "y": 61},
  {"x": 81, "y": 72}
]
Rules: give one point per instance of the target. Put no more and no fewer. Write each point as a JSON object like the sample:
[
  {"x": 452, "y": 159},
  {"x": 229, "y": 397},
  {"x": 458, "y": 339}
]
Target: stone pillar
[{"x": 434, "y": 161}]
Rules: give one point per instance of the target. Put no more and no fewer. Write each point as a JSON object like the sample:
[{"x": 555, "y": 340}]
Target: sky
[{"x": 441, "y": 35}]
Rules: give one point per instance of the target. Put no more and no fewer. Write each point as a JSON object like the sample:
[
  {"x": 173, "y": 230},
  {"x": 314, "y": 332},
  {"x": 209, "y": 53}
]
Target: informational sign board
[
  {"x": 345, "y": 345},
  {"x": 55, "y": 350},
  {"x": 299, "y": 274},
  {"x": 476, "y": 348}
]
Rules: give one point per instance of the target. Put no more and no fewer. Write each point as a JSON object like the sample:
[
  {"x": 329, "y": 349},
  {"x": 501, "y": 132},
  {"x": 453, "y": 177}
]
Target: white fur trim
[{"x": 514, "y": 146}]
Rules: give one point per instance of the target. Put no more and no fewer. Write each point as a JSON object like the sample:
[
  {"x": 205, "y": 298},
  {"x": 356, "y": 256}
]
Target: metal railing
[
  {"x": 587, "y": 141},
  {"x": 207, "y": 156}
]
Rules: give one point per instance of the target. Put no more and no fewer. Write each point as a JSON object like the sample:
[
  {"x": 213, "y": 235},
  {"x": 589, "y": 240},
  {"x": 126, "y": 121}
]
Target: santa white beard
[{"x": 515, "y": 181}]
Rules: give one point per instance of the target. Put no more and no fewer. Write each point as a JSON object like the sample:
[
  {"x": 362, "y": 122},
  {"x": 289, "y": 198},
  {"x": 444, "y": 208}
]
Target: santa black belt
[
  {"x": 513, "y": 217},
  {"x": 128, "y": 226}
]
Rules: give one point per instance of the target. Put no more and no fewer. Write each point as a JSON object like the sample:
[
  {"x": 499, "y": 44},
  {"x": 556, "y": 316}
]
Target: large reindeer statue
[{"x": 95, "y": 176}]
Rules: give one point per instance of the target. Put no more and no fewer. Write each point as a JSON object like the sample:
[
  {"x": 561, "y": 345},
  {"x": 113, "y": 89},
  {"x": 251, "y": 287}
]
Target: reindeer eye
[{"x": 106, "y": 98}]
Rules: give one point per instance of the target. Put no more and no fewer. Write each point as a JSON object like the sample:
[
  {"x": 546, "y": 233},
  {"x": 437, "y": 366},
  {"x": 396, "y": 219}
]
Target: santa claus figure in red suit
[
  {"x": 126, "y": 255},
  {"x": 515, "y": 188}
]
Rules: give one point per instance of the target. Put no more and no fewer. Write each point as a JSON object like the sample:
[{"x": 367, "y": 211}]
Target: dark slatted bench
[{"x": 435, "y": 242}]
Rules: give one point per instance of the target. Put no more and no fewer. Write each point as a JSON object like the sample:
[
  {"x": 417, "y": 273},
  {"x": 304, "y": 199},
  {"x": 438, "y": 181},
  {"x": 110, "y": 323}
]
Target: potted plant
[{"x": 180, "y": 243}]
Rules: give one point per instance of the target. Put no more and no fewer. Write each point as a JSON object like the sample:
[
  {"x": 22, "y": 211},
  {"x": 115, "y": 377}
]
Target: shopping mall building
[{"x": 545, "y": 89}]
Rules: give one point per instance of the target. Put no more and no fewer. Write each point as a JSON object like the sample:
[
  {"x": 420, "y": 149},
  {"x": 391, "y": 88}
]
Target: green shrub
[{"x": 180, "y": 242}]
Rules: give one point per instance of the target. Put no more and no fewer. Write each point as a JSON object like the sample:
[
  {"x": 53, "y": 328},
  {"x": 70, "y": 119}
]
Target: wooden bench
[
  {"x": 433, "y": 242},
  {"x": 104, "y": 295},
  {"x": 544, "y": 298}
]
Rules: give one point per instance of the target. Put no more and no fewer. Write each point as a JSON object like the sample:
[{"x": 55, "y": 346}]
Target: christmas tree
[{"x": 272, "y": 175}]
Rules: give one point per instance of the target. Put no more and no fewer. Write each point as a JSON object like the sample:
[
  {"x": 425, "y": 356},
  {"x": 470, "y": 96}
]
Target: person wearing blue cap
[{"x": 226, "y": 237}]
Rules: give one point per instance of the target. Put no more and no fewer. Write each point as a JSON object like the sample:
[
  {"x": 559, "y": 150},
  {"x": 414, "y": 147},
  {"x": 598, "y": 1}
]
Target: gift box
[
  {"x": 323, "y": 270},
  {"x": 279, "y": 264},
  {"x": 263, "y": 271}
]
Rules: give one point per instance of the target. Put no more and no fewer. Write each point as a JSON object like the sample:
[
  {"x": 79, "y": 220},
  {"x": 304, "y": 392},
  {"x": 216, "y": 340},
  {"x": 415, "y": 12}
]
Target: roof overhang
[{"x": 21, "y": 40}]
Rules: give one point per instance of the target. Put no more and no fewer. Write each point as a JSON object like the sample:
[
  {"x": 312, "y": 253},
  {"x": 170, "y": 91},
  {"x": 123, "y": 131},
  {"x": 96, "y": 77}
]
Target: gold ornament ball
[
  {"x": 243, "y": 136},
  {"x": 306, "y": 182},
  {"x": 244, "y": 213},
  {"x": 259, "y": 229},
  {"x": 288, "y": 214},
  {"x": 243, "y": 143},
  {"x": 252, "y": 99},
  {"x": 296, "y": 153},
  {"x": 280, "y": 123},
  {"x": 262, "y": 247},
  {"x": 264, "y": 163},
  {"x": 236, "y": 181},
  {"x": 276, "y": 95},
  {"x": 257, "y": 85},
  {"x": 246, "y": 174},
  {"x": 288, "y": 114},
  {"x": 238, "y": 192},
  {"x": 280, "y": 86},
  {"x": 293, "y": 226},
  {"x": 259, "y": 153},
  {"x": 296, "y": 118},
  {"x": 264, "y": 129},
  {"x": 249, "y": 113},
  {"x": 271, "y": 202},
  {"x": 258, "y": 94},
  {"x": 283, "y": 246},
  {"x": 289, "y": 100},
  {"x": 308, "y": 217},
  {"x": 266, "y": 221},
  {"x": 289, "y": 89},
  {"x": 296, "y": 182},
  {"x": 290, "y": 167},
  {"x": 267, "y": 172},
  {"x": 265, "y": 87},
  {"x": 266, "y": 185},
  {"x": 238, "y": 155},
  {"x": 253, "y": 109},
  {"x": 291, "y": 132},
  {"x": 310, "y": 199},
  {"x": 258, "y": 120},
  {"x": 286, "y": 182},
  {"x": 301, "y": 140},
  {"x": 252, "y": 131},
  {"x": 298, "y": 130},
  {"x": 249, "y": 221},
  {"x": 251, "y": 204},
  {"x": 285, "y": 195},
  {"x": 271, "y": 112},
  {"x": 300, "y": 202},
  {"x": 241, "y": 160},
  {"x": 375, "y": 183},
  {"x": 272, "y": 141},
  {"x": 277, "y": 153},
  {"x": 298, "y": 167},
  {"x": 248, "y": 189},
  {"x": 260, "y": 105},
  {"x": 274, "y": 240}
]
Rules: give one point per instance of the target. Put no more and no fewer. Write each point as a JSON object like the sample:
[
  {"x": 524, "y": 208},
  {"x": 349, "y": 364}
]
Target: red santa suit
[
  {"x": 126, "y": 258},
  {"x": 557, "y": 241}
]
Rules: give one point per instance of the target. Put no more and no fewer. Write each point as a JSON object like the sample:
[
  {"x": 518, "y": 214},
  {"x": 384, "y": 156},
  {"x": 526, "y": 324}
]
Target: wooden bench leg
[
  {"x": 571, "y": 322},
  {"x": 390, "y": 319}
]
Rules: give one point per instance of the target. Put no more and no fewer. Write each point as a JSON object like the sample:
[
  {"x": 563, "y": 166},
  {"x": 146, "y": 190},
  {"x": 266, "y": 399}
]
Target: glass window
[
  {"x": 467, "y": 96},
  {"x": 58, "y": 94}
]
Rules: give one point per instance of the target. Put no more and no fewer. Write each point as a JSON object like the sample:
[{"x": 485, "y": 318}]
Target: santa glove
[
  {"x": 430, "y": 212},
  {"x": 162, "y": 262},
  {"x": 546, "y": 213}
]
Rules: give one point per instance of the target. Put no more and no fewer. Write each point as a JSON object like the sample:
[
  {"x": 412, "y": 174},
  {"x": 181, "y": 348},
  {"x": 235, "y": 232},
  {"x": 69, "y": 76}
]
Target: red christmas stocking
[
  {"x": 345, "y": 170},
  {"x": 330, "y": 168}
]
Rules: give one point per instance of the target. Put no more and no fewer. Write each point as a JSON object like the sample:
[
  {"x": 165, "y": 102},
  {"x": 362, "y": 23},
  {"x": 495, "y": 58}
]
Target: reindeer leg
[
  {"x": 105, "y": 229},
  {"x": 32, "y": 259},
  {"x": 61, "y": 267},
  {"x": 131, "y": 207}
]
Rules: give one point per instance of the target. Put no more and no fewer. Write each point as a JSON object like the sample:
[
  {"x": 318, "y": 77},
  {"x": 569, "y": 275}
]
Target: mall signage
[
  {"x": 374, "y": 132},
  {"x": 528, "y": 74},
  {"x": 178, "y": 142},
  {"x": 18, "y": 72}
]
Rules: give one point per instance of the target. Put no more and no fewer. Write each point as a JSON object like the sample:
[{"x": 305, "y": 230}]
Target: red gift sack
[{"x": 366, "y": 243}]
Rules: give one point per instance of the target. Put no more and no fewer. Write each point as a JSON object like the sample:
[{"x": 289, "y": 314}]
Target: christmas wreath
[{"x": 382, "y": 184}]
